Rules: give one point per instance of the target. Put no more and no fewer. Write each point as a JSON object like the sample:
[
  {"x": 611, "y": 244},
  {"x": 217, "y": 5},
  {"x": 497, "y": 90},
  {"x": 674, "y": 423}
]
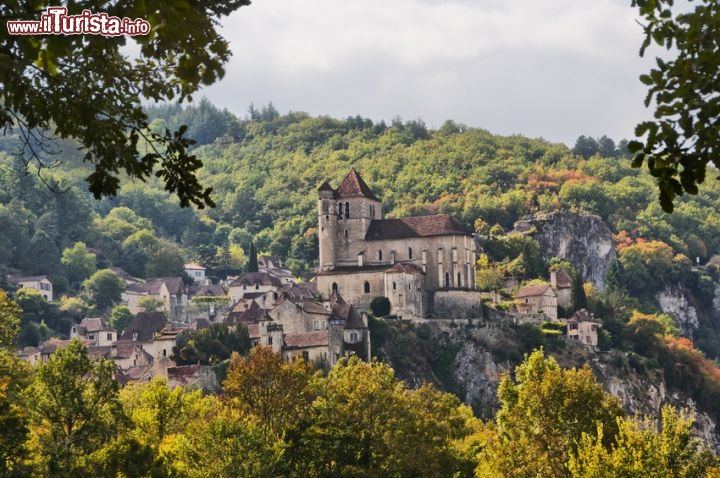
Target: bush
[{"x": 380, "y": 306}]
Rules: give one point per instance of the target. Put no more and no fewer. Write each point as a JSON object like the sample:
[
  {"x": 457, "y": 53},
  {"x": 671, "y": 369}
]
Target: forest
[{"x": 264, "y": 170}]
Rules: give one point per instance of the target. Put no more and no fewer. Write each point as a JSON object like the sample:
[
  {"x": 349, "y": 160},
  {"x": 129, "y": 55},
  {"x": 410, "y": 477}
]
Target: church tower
[{"x": 344, "y": 216}]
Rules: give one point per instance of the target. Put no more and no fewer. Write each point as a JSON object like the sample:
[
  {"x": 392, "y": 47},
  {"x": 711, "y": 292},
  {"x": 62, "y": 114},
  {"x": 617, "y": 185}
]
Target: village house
[
  {"x": 583, "y": 327},
  {"x": 94, "y": 330},
  {"x": 537, "y": 299},
  {"x": 359, "y": 249},
  {"x": 196, "y": 273},
  {"x": 273, "y": 266},
  {"x": 170, "y": 291},
  {"x": 253, "y": 285},
  {"x": 42, "y": 284}
]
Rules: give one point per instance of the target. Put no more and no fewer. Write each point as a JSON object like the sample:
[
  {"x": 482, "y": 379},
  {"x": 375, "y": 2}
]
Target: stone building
[{"x": 407, "y": 260}]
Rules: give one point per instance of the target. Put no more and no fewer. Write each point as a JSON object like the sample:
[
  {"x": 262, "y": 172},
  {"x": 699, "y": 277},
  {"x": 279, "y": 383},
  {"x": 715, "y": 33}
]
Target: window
[
  {"x": 340, "y": 214},
  {"x": 366, "y": 287},
  {"x": 394, "y": 286},
  {"x": 109, "y": 336},
  {"x": 353, "y": 336},
  {"x": 458, "y": 280},
  {"x": 257, "y": 286},
  {"x": 409, "y": 252},
  {"x": 447, "y": 279},
  {"x": 347, "y": 210},
  {"x": 334, "y": 287},
  {"x": 91, "y": 337},
  {"x": 316, "y": 325},
  {"x": 164, "y": 352},
  {"x": 306, "y": 355},
  {"x": 380, "y": 255},
  {"x": 269, "y": 340},
  {"x": 346, "y": 233}
]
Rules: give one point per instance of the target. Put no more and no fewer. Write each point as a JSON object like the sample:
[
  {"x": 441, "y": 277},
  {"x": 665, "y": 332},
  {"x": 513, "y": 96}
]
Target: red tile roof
[
  {"x": 417, "y": 226},
  {"x": 533, "y": 290},
  {"x": 309, "y": 339},
  {"x": 353, "y": 186}
]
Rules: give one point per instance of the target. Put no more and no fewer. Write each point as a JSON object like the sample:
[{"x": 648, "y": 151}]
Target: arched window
[
  {"x": 346, "y": 234},
  {"x": 334, "y": 287},
  {"x": 447, "y": 279},
  {"x": 366, "y": 287},
  {"x": 380, "y": 255},
  {"x": 347, "y": 210},
  {"x": 394, "y": 286},
  {"x": 409, "y": 252},
  {"x": 458, "y": 280}
]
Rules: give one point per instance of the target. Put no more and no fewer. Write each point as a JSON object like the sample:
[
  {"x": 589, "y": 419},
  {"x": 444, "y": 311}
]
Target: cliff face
[
  {"x": 583, "y": 240},
  {"x": 482, "y": 352},
  {"x": 674, "y": 302}
]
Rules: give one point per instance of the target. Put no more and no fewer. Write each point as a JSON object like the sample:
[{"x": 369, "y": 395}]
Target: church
[{"x": 408, "y": 260}]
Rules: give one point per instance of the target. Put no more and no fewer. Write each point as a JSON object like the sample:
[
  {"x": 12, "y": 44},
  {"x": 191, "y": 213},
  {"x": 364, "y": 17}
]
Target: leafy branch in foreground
[{"x": 86, "y": 88}]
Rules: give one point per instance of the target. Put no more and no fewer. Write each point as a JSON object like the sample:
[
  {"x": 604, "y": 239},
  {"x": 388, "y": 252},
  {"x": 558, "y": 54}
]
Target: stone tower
[{"x": 344, "y": 216}]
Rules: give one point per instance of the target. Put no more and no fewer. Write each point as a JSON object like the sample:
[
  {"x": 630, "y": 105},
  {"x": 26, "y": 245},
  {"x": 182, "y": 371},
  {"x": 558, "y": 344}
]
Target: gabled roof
[
  {"x": 534, "y": 290},
  {"x": 252, "y": 314},
  {"x": 145, "y": 324},
  {"x": 416, "y": 226},
  {"x": 353, "y": 320},
  {"x": 94, "y": 324},
  {"x": 325, "y": 186},
  {"x": 583, "y": 315},
  {"x": 213, "y": 290},
  {"x": 260, "y": 278},
  {"x": 194, "y": 266},
  {"x": 308, "y": 339},
  {"x": 353, "y": 186}
]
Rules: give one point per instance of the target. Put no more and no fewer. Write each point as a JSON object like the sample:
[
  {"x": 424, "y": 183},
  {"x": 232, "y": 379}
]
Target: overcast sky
[{"x": 554, "y": 69}]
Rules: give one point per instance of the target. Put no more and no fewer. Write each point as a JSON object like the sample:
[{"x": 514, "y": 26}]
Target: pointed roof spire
[{"x": 354, "y": 186}]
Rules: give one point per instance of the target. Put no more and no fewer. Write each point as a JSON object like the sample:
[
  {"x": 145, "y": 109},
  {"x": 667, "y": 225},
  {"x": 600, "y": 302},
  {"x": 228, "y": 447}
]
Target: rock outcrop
[{"x": 583, "y": 240}]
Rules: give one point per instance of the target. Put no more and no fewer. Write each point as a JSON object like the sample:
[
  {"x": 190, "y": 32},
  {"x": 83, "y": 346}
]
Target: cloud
[{"x": 550, "y": 68}]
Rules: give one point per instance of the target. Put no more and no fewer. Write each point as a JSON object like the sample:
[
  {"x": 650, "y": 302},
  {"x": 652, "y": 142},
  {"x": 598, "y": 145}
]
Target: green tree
[
  {"x": 212, "y": 345},
  {"x": 252, "y": 265},
  {"x": 151, "y": 304},
  {"x": 640, "y": 450},
  {"x": 380, "y": 306},
  {"x": 682, "y": 139},
  {"x": 10, "y": 313},
  {"x": 120, "y": 318},
  {"x": 544, "y": 413},
  {"x": 79, "y": 263},
  {"x": 74, "y": 409},
  {"x": 264, "y": 386},
  {"x": 85, "y": 88},
  {"x": 104, "y": 288}
]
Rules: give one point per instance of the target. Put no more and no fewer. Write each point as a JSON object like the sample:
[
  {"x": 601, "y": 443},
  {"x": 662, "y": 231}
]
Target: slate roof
[
  {"x": 353, "y": 320},
  {"x": 583, "y": 315},
  {"x": 146, "y": 324},
  {"x": 93, "y": 324},
  {"x": 252, "y": 314},
  {"x": 416, "y": 226},
  {"x": 214, "y": 290},
  {"x": 304, "y": 290},
  {"x": 174, "y": 285},
  {"x": 352, "y": 186},
  {"x": 533, "y": 290},
  {"x": 308, "y": 339},
  {"x": 252, "y": 278}
]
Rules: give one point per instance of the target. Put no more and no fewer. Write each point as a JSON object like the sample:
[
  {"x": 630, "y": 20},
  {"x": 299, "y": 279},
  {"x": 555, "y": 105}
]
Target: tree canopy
[{"x": 85, "y": 87}]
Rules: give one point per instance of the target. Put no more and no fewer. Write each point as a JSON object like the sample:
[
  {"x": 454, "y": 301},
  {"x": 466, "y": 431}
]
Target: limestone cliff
[
  {"x": 583, "y": 240},
  {"x": 469, "y": 359}
]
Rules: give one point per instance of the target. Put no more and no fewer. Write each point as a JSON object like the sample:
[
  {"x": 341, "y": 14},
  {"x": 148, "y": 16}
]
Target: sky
[{"x": 555, "y": 69}]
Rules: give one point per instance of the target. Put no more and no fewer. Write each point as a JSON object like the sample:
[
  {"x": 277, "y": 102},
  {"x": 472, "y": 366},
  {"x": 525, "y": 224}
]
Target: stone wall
[{"x": 456, "y": 304}]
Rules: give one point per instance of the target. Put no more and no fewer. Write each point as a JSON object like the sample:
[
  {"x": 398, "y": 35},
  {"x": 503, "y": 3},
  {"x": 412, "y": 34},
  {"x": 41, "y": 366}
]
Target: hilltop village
[{"x": 420, "y": 268}]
